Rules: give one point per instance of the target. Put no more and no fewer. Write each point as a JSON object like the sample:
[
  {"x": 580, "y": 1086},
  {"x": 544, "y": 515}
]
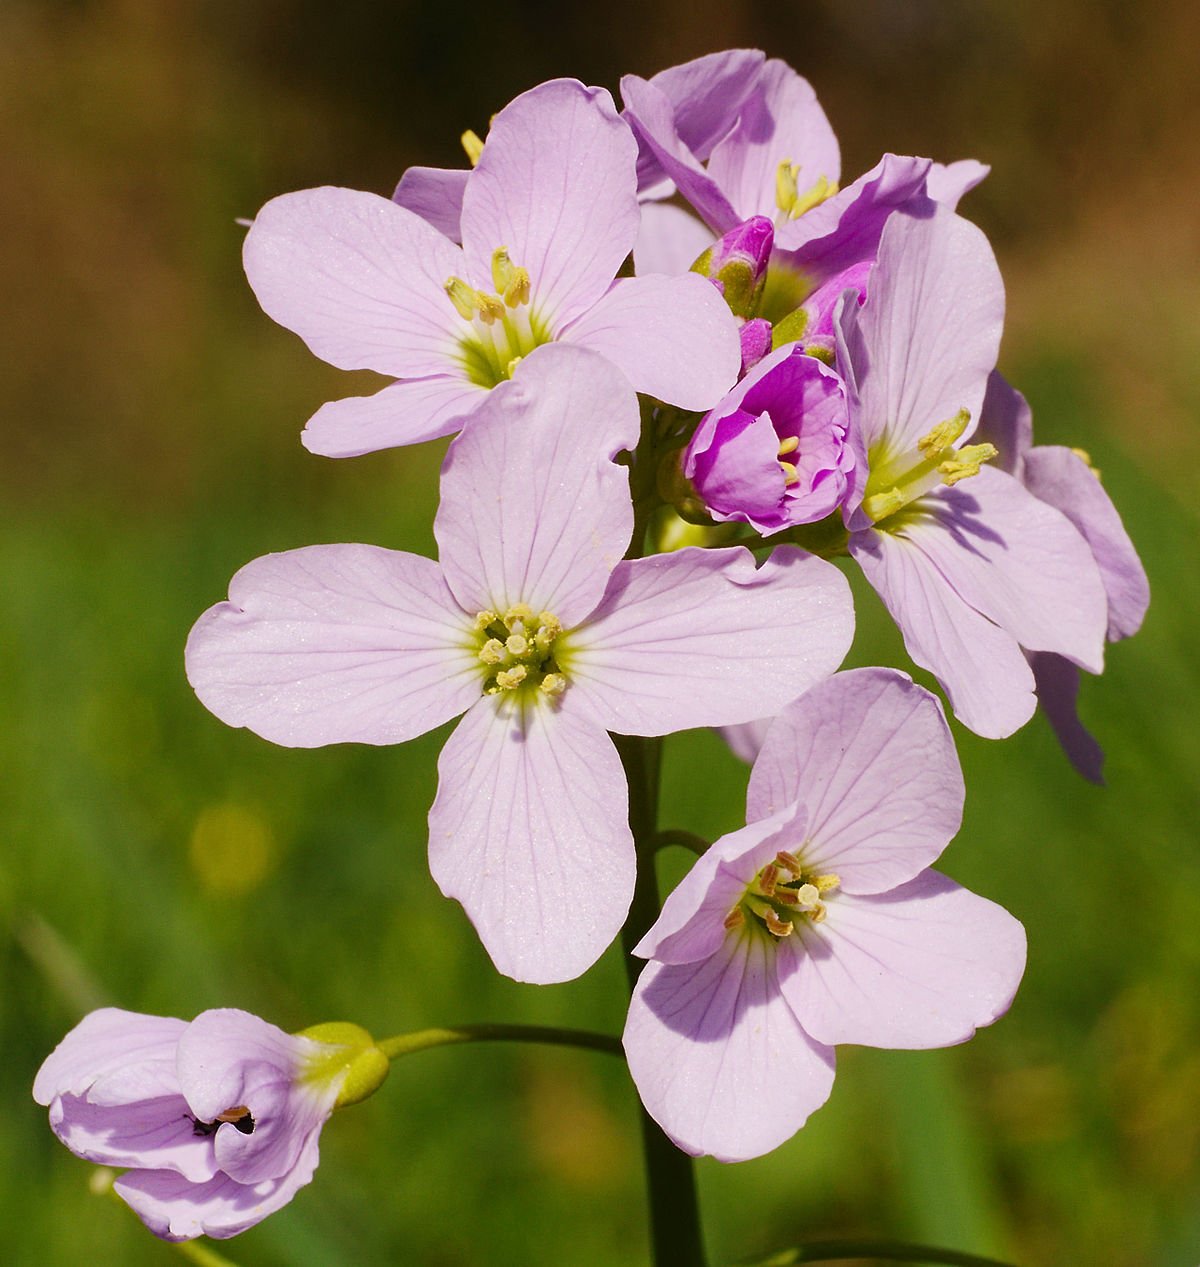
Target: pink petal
[
  {"x": 746, "y": 739},
  {"x": 1057, "y": 689},
  {"x": 708, "y": 92},
  {"x": 556, "y": 184},
  {"x": 1006, "y": 422},
  {"x": 436, "y": 195},
  {"x": 529, "y": 832},
  {"x": 981, "y": 667},
  {"x": 702, "y": 638},
  {"x": 922, "y": 966},
  {"x": 670, "y": 240},
  {"x": 949, "y": 182},
  {"x": 358, "y": 278},
  {"x": 718, "y": 1057},
  {"x": 674, "y": 337},
  {"x": 869, "y": 755},
  {"x": 404, "y": 413},
  {"x": 780, "y": 121},
  {"x": 533, "y": 508},
  {"x": 221, "y": 1046},
  {"x": 113, "y": 1057},
  {"x": 335, "y": 644}
]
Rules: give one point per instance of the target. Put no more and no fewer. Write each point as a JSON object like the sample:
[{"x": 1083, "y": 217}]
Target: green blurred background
[{"x": 155, "y": 859}]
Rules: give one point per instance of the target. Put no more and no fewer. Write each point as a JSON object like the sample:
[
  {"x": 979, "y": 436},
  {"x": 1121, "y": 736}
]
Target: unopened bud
[{"x": 737, "y": 264}]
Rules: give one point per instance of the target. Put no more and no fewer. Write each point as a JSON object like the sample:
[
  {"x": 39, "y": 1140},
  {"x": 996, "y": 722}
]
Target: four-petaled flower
[{"x": 819, "y": 923}]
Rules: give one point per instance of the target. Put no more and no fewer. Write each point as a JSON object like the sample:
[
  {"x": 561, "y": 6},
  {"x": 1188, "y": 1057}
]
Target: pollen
[
  {"x": 517, "y": 652},
  {"x": 780, "y": 895}
]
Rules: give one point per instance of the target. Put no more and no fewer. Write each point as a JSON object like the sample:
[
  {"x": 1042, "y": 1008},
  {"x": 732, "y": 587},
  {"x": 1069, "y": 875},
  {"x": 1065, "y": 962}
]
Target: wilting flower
[
  {"x": 1064, "y": 478},
  {"x": 534, "y": 627},
  {"x": 819, "y": 923},
  {"x": 548, "y": 215},
  {"x": 971, "y": 566},
  {"x": 217, "y": 1120}
]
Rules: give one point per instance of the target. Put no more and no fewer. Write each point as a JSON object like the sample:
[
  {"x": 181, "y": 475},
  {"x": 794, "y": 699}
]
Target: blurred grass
[{"x": 152, "y": 417}]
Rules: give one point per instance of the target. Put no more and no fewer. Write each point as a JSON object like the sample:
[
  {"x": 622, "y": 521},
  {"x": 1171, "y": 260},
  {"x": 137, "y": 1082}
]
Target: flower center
[
  {"x": 779, "y": 894},
  {"x": 895, "y": 481},
  {"x": 501, "y": 326},
  {"x": 238, "y": 1117},
  {"x": 518, "y": 654}
]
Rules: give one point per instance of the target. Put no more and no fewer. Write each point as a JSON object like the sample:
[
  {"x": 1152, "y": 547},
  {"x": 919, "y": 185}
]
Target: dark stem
[
  {"x": 423, "y": 1039},
  {"x": 675, "y": 1234},
  {"x": 685, "y": 839},
  {"x": 881, "y": 1251}
]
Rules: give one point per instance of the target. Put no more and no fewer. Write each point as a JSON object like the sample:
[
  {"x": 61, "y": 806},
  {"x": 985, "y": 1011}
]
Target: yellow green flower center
[
  {"x": 782, "y": 893},
  {"x": 519, "y": 652}
]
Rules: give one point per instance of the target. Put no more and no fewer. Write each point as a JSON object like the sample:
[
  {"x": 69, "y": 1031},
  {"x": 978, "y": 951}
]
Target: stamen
[
  {"x": 1086, "y": 458},
  {"x": 827, "y": 883},
  {"x": 502, "y": 269},
  {"x": 767, "y": 878},
  {"x": 788, "y": 445},
  {"x": 821, "y": 189},
  {"x": 554, "y": 684},
  {"x": 472, "y": 145},
  {"x": 517, "y": 290},
  {"x": 786, "y": 191},
  {"x": 880, "y": 505},
  {"x": 788, "y": 861},
  {"x": 790, "y": 474},
  {"x": 965, "y": 462},
  {"x": 518, "y": 611},
  {"x": 517, "y": 643},
  {"x": 466, "y": 299},
  {"x": 510, "y": 679},
  {"x": 492, "y": 651},
  {"x": 490, "y": 307},
  {"x": 485, "y": 618},
  {"x": 776, "y": 926},
  {"x": 945, "y": 433},
  {"x": 735, "y": 919},
  {"x": 807, "y": 896}
]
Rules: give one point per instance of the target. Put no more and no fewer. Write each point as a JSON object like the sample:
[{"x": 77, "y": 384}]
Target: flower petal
[
  {"x": 670, "y": 240},
  {"x": 335, "y": 644},
  {"x": 674, "y": 337},
  {"x": 556, "y": 184},
  {"x": 1006, "y": 422},
  {"x": 949, "y": 182},
  {"x": 719, "y": 1060},
  {"x": 529, "y": 832},
  {"x": 981, "y": 667},
  {"x": 358, "y": 278},
  {"x": 781, "y": 121},
  {"x": 707, "y": 93},
  {"x": 404, "y": 413},
  {"x": 436, "y": 195},
  {"x": 703, "y": 638},
  {"x": 533, "y": 508},
  {"x": 922, "y": 966},
  {"x": 869, "y": 754},
  {"x": 1057, "y": 689}
]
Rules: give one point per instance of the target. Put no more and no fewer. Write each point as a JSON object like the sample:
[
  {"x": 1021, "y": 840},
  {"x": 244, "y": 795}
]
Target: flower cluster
[{"x": 670, "y": 342}]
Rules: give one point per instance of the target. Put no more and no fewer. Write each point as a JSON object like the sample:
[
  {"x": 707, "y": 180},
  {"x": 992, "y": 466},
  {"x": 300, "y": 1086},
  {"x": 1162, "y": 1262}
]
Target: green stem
[
  {"x": 676, "y": 836},
  {"x": 881, "y": 1251},
  {"x": 675, "y": 1234},
  {"x": 197, "y": 1252},
  {"x": 422, "y": 1039}
]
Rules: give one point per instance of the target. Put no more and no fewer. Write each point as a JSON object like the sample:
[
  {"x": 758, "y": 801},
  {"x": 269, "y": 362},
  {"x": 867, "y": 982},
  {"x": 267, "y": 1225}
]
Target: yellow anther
[
  {"x": 827, "y": 883},
  {"x": 510, "y": 679},
  {"x": 965, "y": 462},
  {"x": 491, "y": 308},
  {"x": 466, "y": 299},
  {"x": 554, "y": 684},
  {"x": 945, "y": 433},
  {"x": 767, "y": 878},
  {"x": 790, "y": 474},
  {"x": 483, "y": 619},
  {"x": 518, "y": 611},
  {"x": 735, "y": 919},
  {"x": 788, "y": 445},
  {"x": 816, "y": 194},
  {"x": 776, "y": 926},
  {"x": 1086, "y": 458},
  {"x": 550, "y": 623},
  {"x": 517, "y": 644},
  {"x": 472, "y": 145},
  {"x": 818, "y": 913},
  {"x": 786, "y": 191},
  {"x": 517, "y": 290},
  {"x": 492, "y": 651},
  {"x": 502, "y": 269},
  {"x": 879, "y": 505}
]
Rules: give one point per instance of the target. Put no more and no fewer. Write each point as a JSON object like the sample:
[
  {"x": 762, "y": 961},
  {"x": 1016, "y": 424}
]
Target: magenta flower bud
[
  {"x": 775, "y": 452},
  {"x": 756, "y": 342},
  {"x": 217, "y": 1121},
  {"x": 737, "y": 264}
]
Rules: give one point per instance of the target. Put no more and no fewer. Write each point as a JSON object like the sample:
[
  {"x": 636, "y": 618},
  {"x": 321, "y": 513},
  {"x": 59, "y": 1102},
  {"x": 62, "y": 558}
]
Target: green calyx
[{"x": 350, "y": 1053}]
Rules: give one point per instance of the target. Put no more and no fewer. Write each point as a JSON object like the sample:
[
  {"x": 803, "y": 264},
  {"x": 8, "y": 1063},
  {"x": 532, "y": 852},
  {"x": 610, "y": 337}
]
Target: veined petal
[
  {"x": 674, "y": 337},
  {"x": 533, "y": 508},
  {"x": 556, "y": 184},
  {"x": 1017, "y": 561},
  {"x": 703, "y": 638},
  {"x": 358, "y": 278},
  {"x": 1006, "y": 422},
  {"x": 436, "y": 195},
  {"x": 530, "y": 833},
  {"x": 719, "y": 1059},
  {"x": 410, "y": 412},
  {"x": 929, "y": 329},
  {"x": 922, "y": 966},
  {"x": 113, "y": 1057},
  {"x": 220, "y": 1046},
  {"x": 1061, "y": 478},
  {"x": 869, "y": 755},
  {"x": 981, "y": 667},
  {"x": 707, "y": 94},
  {"x": 652, "y": 116},
  {"x": 780, "y": 121},
  {"x": 335, "y": 644},
  {"x": 670, "y": 240},
  {"x": 1057, "y": 689}
]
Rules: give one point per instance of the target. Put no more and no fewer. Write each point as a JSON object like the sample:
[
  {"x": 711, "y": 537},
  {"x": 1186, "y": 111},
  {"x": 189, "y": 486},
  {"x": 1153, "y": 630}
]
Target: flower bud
[{"x": 737, "y": 264}]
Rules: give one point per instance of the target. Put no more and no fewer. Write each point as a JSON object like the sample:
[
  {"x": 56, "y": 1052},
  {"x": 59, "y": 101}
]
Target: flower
[
  {"x": 775, "y": 451},
  {"x": 218, "y": 1120},
  {"x": 971, "y": 566},
  {"x": 816, "y": 924},
  {"x": 548, "y": 215},
  {"x": 535, "y": 628},
  {"x": 1065, "y": 479}
]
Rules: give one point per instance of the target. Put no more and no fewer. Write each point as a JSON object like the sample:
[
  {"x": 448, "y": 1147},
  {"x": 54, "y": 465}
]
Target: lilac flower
[
  {"x": 1064, "y": 478},
  {"x": 817, "y": 924},
  {"x": 218, "y": 1120},
  {"x": 535, "y": 628},
  {"x": 775, "y": 452},
  {"x": 548, "y": 216},
  {"x": 972, "y": 567}
]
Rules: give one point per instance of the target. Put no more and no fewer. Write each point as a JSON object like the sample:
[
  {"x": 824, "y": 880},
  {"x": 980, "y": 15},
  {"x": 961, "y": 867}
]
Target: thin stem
[
  {"x": 422, "y": 1039},
  {"x": 881, "y": 1251},
  {"x": 676, "y": 836},
  {"x": 675, "y": 1234},
  {"x": 198, "y": 1252}
]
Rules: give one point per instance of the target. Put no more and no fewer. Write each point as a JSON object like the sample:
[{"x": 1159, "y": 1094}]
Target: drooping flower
[
  {"x": 819, "y": 923},
  {"x": 217, "y": 1120},
  {"x": 548, "y": 215},
  {"x": 1065, "y": 479},
  {"x": 534, "y": 627},
  {"x": 971, "y": 566}
]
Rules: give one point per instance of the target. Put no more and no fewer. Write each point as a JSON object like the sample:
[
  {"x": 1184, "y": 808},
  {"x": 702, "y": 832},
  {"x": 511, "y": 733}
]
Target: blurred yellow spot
[{"x": 232, "y": 850}]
